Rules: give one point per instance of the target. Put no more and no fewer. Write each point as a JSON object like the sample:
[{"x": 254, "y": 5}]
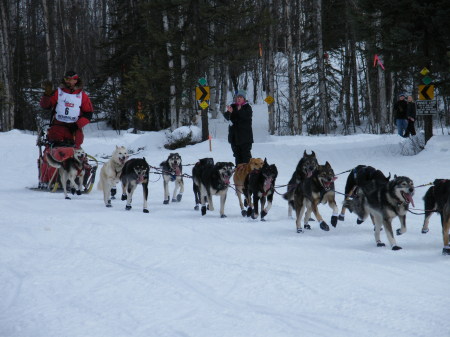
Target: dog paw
[
  {"x": 128, "y": 207},
  {"x": 425, "y": 230},
  {"x": 124, "y": 197},
  {"x": 113, "y": 197},
  {"x": 359, "y": 221},
  {"x": 113, "y": 192},
  {"x": 223, "y": 216},
  {"x": 446, "y": 251},
  {"x": 245, "y": 203},
  {"x": 196, "y": 207},
  {"x": 380, "y": 244},
  {"x": 311, "y": 219},
  {"x": 262, "y": 219},
  {"x": 334, "y": 220},
  {"x": 179, "y": 196},
  {"x": 203, "y": 210},
  {"x": 109, "y": 204},
  {"x": 165, "y": 202},
  {"x": 67, "y": 198},
  {"x": 399, "y": 232},
  {"x": 72, "y": 190},
  {"x": 174, "y": 200},
  {"x": 78, "y": 192},
  {"x": 263, "y": 214},
  {"x": 341, "y": 217},
  {"x": 146, "y": 210},
  {"x": 249, "y": 211},
  {"x": 324, "y": 226},
  {"x": 244, "y": 212},
  {"x": 396, "y": 248},
  {"x": 254, "y": 215},
  {"x": 307, "y": 227},
  {"x": 299, "y": 230}
]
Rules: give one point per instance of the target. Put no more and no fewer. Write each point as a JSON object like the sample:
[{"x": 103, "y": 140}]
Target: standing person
[
  {"x": 71, "y": 110},
  {"x": 411, "y": 113},
  {"x": 400, "y": 110},
  {"x": 240, "y": 133}
]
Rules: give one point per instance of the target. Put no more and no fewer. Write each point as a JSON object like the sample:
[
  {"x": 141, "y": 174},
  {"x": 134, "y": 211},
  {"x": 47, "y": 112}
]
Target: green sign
[
  {"x": 202, "y": 81},
  {"x": 426, "y": 80}
]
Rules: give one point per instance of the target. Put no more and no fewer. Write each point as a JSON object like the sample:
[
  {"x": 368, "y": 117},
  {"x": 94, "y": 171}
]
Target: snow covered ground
[{"x": 75, "y": 268}]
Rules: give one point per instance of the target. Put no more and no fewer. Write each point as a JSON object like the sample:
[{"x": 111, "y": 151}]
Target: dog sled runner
[{"x": 48, "y": 176}]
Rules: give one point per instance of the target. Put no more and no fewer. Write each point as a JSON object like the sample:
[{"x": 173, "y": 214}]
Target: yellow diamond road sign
[
  {"x": 269, "y": 100},
  {"x": 426, "y": 92},
  {"x": 204, "y": 105},
  {"x": 424, "y": 71}
]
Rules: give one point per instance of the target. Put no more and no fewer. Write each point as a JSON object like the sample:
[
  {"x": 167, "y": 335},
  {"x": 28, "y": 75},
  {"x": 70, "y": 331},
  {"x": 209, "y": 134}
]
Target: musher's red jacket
[{"x": 86, "y": 109}]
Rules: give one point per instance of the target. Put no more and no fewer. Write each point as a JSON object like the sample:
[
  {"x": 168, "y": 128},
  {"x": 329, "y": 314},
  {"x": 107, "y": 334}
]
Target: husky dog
[
  {"x": 197, "y": 172},
  {"x": 383, "y": 203},
  {"x": 360, "y": 176},
  {"x": 172, "y": 171},
  {"x": 305, "y": 168},
  {"x": 70, "y": 169},
  {"x": 437, "y": 199},
  {"x": 110, "y": 174},
  {"x": 241, "y": 172},
  {"x": 259, "y": 186},
  {"x": 215, "y": 180},
  {"x": 313, "y": 190},
  {"x": 134, "y": 172}
]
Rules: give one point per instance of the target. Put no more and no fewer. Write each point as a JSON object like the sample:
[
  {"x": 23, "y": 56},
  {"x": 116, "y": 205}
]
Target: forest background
[{"x": 141, "y": 60}]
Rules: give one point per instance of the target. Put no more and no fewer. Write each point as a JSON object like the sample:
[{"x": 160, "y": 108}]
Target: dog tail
[{"x": 52, "y": 161}]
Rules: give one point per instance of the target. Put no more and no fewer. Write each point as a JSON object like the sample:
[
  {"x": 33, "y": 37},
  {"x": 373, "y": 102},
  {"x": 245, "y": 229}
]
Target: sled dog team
[{"x": 368, "y": 192}]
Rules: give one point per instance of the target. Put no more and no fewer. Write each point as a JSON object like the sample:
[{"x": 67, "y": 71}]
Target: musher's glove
[{"x": 48, "y": 88}]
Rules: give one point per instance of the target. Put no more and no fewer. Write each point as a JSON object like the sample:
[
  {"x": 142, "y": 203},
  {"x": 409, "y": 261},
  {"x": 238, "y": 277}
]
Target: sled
[{"x": 48, "y": 176}]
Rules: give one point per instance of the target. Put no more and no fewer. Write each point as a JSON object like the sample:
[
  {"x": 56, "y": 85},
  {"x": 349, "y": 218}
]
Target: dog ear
[
  {"x": 389, "y": 177},
  {"x": 327, "y": 164},
  {"x": 304, "y": 153},
  {"x": 395, "y": 176},
  {"x": 313, "y": 154}
]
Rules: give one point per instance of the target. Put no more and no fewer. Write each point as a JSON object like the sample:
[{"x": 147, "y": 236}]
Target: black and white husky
[
  {"x": 214, "y": 180},
  {"x": 172, "y": 170},
  {"x": 134, "y": 172},
  {"x": 437, "y": 199},
  {"x": 197, "y": 172},
  {"x": 384, "y": 203},
  {"x": 69, "y": 170}
]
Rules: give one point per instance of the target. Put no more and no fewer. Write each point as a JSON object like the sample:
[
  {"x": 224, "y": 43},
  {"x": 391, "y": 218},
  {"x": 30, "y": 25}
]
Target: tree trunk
[
  {"x": 174, "y": 122},
  {"x": 8, "y": 108},
  {"x": 321, "y": 69},
  {"x": 271, "y": 72},
  {"x": 291, "y": 71},
  {"x": 298, "y": 68},
  {"x": 382, "y": 99},
  {"x": 48, "y": 47}
]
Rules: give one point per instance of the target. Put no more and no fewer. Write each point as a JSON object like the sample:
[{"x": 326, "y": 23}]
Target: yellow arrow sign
[
  {"x": 202, "y": 93},
  {"x": 269, "y": 100},
  {"x": 426, "y": 92}
]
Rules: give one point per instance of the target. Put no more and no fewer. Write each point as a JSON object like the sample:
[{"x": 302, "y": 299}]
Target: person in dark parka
[
  {"x": 401, "y": 117},
  {"x": 411, "y": 110},
  {"x": 240, "y": 133}
]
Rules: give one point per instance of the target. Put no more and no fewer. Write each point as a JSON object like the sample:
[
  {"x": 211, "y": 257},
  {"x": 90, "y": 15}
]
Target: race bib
[{"x": 68, "y": 107}]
